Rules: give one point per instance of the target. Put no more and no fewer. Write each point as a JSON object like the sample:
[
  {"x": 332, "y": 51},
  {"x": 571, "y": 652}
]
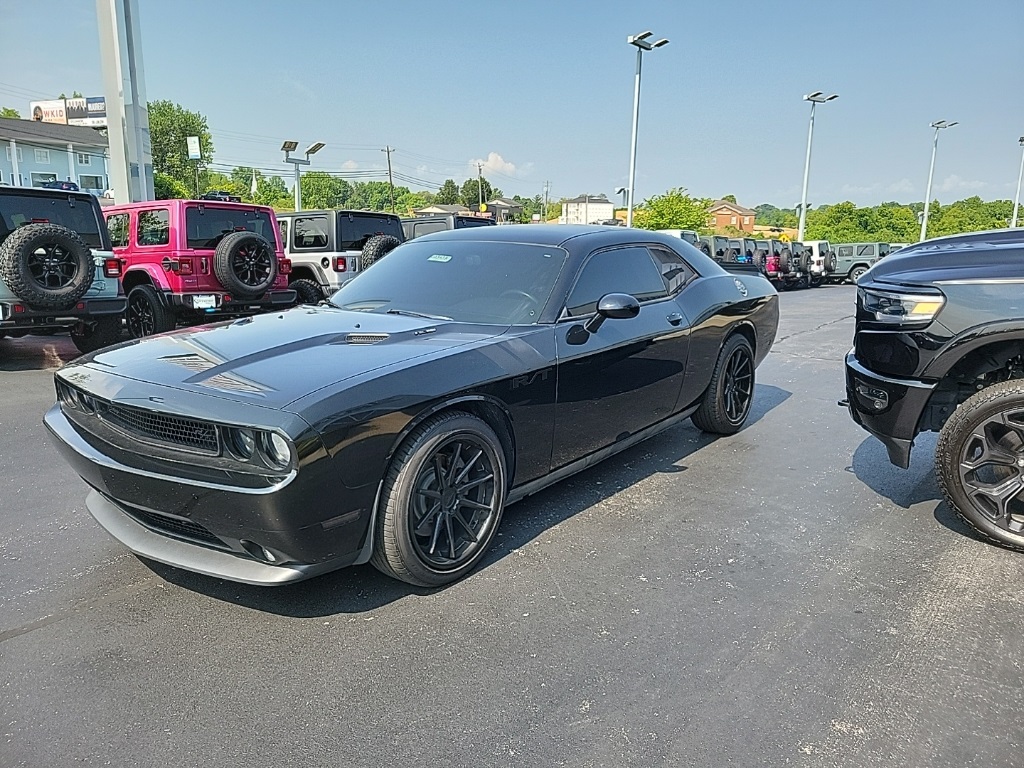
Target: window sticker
[{"x": 443, "y": 258}]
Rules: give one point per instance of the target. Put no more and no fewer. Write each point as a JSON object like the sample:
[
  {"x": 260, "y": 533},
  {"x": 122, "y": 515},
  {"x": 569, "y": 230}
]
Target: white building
[{"x": 587, "y": 209}]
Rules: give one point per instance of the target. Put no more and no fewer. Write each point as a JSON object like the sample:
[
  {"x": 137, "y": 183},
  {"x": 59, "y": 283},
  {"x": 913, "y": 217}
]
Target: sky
[{"x": 543, "y": 91}]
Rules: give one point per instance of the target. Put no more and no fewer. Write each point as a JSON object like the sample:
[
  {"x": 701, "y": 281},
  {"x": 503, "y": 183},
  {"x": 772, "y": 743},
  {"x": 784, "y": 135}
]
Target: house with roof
[
  {"x": 724, "y": 214},
  {"x": 587, "y": 209},
  {"x": 37, "y": 152},
  {"x": 505, "y": 211}
]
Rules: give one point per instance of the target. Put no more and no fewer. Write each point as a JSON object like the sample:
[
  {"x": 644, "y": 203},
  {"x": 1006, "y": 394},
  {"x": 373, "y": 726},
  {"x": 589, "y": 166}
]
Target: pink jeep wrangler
[{"x": 197, "y": 260}]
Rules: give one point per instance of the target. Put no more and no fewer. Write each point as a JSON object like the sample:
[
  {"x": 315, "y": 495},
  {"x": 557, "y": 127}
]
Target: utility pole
[
  {"x": 480, "y": 182},
  {"x": 391, "y": 179},
  {"x": 544, "y": 207}
]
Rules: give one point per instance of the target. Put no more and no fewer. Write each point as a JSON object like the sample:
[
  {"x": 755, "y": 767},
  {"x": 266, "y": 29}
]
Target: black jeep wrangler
[
  {"x": 939, "y": 347},
  {"x": 57, "y": 270}
]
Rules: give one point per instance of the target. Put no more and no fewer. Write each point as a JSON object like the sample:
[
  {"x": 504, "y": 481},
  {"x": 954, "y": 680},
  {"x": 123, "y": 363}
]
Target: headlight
[
  {"x": 900, "y": 307},
  {"x": 276, "y": 450},
  {"x": 241, "y": 442}
]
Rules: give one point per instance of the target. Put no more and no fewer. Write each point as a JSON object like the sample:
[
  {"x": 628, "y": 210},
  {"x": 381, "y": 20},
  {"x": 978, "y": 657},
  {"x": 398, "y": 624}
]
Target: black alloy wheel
[
  {"x": 726, "y": 403},
  {"x": 146, "y": 313},
  {"x": 454, "y": 502},
  {"x": 253, "y": 264},
  {"x": 979, "y": 462},
  {"x": 52, "y": 266},
  {"x": 441, "y": 502}
]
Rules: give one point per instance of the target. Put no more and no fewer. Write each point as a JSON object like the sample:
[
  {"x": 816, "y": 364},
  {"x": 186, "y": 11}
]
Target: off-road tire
[
  {"x": 18, "y": 255},
  {"x": 394, "y": 551},
  {"x": 245, "y": 263},
  {"x": 968, "y": 416},
  {"x": 146, "y": 313},
  {"x": 376, "y": 248},
  {"x": 711, "y": 416},
  {"x": 785, "y": 260},
  {"x": 307, "y": 291},
  {"x": 856, "y": 273},
  {"x": 102, "y": 332},
  {"x": 830, "y": 262}
]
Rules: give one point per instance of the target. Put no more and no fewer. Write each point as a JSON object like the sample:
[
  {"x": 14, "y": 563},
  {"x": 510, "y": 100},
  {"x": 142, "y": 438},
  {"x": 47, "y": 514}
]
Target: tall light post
[
  {"x": 938, "y": 125},
  {"x": 640, "y": 41},
  {"x": 290, "y": 146},
  {"x": 816, "y": 98},
  {"x": 622, "y": 191},
  {"x": 1020, "y": 177}
]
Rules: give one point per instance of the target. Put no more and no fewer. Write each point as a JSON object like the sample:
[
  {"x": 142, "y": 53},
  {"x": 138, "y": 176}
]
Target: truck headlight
[{"x": 900, "y": 308}]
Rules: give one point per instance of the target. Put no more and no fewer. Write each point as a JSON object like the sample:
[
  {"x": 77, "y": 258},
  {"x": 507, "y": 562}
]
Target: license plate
[{"x": 204, "y": 301}]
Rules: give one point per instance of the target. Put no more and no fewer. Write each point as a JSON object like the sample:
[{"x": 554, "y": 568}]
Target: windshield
[
  {"x": 77, "y": 215},
  {"x": 208, "y": 225},
  {"x": 490, "y": 282}
]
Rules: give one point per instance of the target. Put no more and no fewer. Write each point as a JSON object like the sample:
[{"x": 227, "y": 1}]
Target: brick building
[{"x": 725, "y": 214}]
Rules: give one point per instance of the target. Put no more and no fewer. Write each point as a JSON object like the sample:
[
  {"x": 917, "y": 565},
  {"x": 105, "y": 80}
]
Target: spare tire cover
[{"x": 246, "y": 264}]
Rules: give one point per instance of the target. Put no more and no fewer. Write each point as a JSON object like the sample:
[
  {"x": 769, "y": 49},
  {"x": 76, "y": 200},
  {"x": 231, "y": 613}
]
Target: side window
[
  {"x": 309, "y": 232},
  {"x": 619, "y": 270},
  {"x": 865, "y": 250},
  {"x": 426, "y": 227},
  {"x": 154, "y": 227},
  {"x": 674, "y": 271},
  {"x": 845, "y": 252},
  {"x": 117, "y": 223},
  {"x": 282, "y": 227}
]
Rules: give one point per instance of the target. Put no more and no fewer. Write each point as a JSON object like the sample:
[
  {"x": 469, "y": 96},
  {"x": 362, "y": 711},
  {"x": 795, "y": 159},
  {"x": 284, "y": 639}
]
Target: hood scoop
[{"x": 365, "y": 338}]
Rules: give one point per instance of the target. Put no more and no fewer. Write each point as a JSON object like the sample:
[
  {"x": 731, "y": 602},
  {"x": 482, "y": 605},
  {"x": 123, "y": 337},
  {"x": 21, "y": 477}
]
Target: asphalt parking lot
[{"x": 782, "y": 596}]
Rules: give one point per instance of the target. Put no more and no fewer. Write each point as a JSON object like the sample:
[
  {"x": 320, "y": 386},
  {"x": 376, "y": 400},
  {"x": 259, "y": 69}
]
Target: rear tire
[
  {"x": 856, "y": 273},
  {"x": 307, "y": 291},
  {"x": 443, "y": 495},
  {"x": 146, "y": 313},
  {"x": 103, "y": 332},
  {"x": 978, "y": 463},
  {"x": 726, "y": 403}
]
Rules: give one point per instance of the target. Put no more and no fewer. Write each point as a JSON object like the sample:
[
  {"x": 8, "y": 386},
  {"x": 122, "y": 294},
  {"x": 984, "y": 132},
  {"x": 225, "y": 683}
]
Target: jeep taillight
[
  {"x": 112, "y": 268},
  {"x": 340, "y": 264},
  {"x": 285, "y": 266},
  {"x": 184, "y": 267}
]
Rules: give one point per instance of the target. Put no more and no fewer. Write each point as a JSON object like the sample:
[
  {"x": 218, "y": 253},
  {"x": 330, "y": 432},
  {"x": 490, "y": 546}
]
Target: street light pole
[
  {"x": 1020, "y": 177},
  {"x": 290, "y": 146},
  {"x": 816, "y": 98},
  {"x": 640, "y": 41},
  {"x": 937, "y": 125}
]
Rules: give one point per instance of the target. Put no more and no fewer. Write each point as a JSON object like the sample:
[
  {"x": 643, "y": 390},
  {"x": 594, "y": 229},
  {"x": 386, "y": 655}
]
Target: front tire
[
  {"x": 726, "y": 403},
  {"x": 441, "y": 502},
  {"x": 979, "y": 463},
  {"x": 857, "y": 273}
]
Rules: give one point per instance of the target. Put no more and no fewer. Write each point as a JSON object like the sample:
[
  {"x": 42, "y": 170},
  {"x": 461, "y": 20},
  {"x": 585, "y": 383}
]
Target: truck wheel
[
  {"x": 979, "y": 462},
  {"x": 376, "y": 248},
  {"x": 246, "y": 264},
  {"x": 146, "y": 313},
  {"x": 307, "y": 291},
  {"x": 785, "y": 260},
  {"x": 726, "y": 402},
  {"x": 46, "y": 265},
  {"x": 856, "y": 273},
  {"x": 103, "y": 332},
  {"x": 830, "y": 262}
]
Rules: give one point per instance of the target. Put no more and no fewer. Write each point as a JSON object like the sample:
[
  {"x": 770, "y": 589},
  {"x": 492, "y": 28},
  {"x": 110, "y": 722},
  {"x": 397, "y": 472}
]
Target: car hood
[
  {"x": 930, "y": 264},
  {"x": 274, "y": 359}
]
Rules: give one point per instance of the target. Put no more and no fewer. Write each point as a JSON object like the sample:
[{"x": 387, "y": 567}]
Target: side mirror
[{"x": 613, "y": 306}]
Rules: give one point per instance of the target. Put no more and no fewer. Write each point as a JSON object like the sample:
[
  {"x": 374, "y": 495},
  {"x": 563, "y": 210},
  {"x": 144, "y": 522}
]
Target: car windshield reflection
[{"x": 472, "y": 282}]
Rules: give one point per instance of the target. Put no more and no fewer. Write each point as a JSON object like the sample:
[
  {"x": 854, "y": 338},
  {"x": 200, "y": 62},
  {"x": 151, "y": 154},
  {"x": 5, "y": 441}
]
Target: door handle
[{"x": 675, "y": 318}]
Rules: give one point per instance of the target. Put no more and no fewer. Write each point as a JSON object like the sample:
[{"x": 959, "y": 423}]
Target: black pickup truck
[{"x": 939, "y": 347}]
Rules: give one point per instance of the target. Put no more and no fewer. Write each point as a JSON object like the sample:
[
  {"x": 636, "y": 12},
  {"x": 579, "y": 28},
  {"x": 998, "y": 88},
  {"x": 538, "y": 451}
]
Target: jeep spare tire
[
  {"x": 785, "y": 260},
  {"x": 376, "y": 248},
  {"x": 46, "y": 265},
  {"x": 246, "y": 264}
]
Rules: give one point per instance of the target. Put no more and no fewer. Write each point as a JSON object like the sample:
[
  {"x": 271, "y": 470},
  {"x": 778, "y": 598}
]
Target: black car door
[{"x": 629, "y": 373}]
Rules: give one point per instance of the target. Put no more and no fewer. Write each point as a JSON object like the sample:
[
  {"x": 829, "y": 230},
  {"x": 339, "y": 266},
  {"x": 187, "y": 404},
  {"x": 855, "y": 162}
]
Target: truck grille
[{"x": 193, "y": 435}]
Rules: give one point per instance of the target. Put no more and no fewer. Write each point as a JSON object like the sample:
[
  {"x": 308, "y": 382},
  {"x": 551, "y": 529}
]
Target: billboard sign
[
  {"x": 91, "y": 112},
  {"x": 194, "y": 152},
  {"x": 49, "y": 111}
]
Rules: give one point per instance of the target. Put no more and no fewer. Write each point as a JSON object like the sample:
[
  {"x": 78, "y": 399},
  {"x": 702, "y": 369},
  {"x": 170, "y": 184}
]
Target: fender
[
  {"x": 154, "y": 272},
  {"x": 970, "y": 340}
]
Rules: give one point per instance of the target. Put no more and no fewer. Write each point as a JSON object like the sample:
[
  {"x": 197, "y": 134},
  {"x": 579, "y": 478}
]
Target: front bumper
[
  {"x": 226, "y": 305},
  {"x": 215, "y": 529},
  {"x": 15, "y": 314},
  {"x": 887, "y": 407}
]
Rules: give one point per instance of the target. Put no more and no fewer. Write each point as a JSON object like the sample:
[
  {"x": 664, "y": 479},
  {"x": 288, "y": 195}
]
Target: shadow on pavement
[
  {"x": 35, "y": 353},
  {"x": 363, "y": 588}
]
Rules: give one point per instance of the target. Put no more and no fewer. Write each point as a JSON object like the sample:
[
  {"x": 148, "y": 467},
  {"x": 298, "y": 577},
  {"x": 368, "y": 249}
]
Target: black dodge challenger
[{"x": 393, "y": 422}]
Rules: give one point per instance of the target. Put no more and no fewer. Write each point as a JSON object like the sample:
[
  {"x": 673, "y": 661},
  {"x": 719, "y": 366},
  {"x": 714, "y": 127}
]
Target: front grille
[
  {"x": 198, "y": 436},
  {"x": 177, "y": 527}
]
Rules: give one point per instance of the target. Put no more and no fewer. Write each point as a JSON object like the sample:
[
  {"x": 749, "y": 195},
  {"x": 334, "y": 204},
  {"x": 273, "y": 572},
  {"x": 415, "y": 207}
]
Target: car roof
[
  {"x": 151, "y": 203},
  {"x": 574, "y": 236},
  {"x": 46, "y": 192},
  {"x": 329, "y": 211}
]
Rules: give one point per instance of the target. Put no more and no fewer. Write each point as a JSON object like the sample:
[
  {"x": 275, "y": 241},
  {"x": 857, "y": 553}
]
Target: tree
[
  {"x": 469, "y": 194},
  {"x": 448, "y": 194},
  {"x": 9, "y": 112},
  {"x": 673, "y": 210},
  {"x": 554, "y": 210},
  {"x": 74, "y": 95},
  {"x": 770, "y": 216},
  {"x": 169, "y": 188},
  {"x": 169, "y": 126},
  {"x": 729, "y": 198},
  {"x": 321, "y": 190},
  {"x": 272, "y": 191}
]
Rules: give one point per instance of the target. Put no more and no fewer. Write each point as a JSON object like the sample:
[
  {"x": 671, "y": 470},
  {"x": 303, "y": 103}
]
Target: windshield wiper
[
  {"x": 330, "y": 303},
  {"x": 410, "y": 313}
]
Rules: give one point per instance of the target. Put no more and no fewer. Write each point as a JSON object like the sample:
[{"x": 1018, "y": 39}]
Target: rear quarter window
[
  {"x": 154, "y": 227},
  {"x": 117, "y": 225}
]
